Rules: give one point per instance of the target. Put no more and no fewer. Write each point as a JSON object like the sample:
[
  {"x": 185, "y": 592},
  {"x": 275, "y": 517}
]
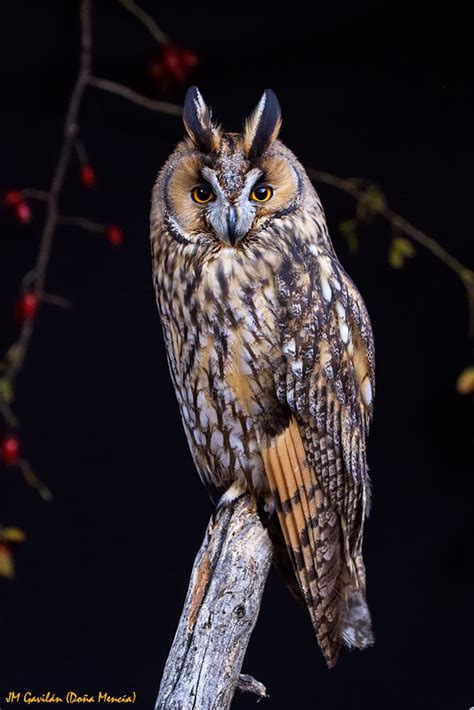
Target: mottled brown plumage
[{"x": 270, "y": 350}]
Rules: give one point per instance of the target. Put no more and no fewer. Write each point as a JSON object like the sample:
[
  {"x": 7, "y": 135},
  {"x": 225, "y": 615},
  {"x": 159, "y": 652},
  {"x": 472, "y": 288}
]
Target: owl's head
[{"x": 224, "y": 188}]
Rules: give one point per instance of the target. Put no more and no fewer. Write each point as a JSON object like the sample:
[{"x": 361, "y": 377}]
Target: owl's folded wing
[{"x": 316, "y": 466}]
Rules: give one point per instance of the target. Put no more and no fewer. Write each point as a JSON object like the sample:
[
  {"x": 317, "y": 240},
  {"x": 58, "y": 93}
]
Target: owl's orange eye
[
  {"x": 203, "y": 194},
  {"x": 262, "y": 193}
]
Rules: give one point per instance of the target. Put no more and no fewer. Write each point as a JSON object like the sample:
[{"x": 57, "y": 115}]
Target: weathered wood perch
[{"x": 220, "y": 612}]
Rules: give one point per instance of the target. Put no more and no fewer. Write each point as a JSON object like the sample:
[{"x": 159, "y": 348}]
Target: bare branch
[
  {"x": 69, "y": 137},
  {"x": 350, "y": 187},
  {"x": 33, "y": 194},
  {"x": 20, "y": 349},
  {"x": 356, "y": 189},
  {"x": 28, "y": 279},
  {"x": 32, "y": 480},
  {"x": 146, "y": 20},
  {"x": 82, "y": 222},
  {"x": 54, "y": 300},
  {"x": 81, "y": 152},
  {"x": 6, "y": 412},
  {"x": 219, "y": 614},
  {"x": 125, "y": 92}
]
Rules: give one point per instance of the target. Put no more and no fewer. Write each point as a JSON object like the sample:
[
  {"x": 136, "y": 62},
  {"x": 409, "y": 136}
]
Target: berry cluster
[
  {"x": 21, "y": 209},
  {"x": 172, "y": 66}
]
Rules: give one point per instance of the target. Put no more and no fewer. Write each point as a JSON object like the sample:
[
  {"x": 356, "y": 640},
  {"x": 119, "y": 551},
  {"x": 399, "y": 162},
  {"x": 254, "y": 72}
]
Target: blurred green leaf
[
  {"x": 6, "y": 390},
  {"x": 349, "y": 230},
  {"x": 400, "y": 250},
  {"x": 371, "y": 203}
]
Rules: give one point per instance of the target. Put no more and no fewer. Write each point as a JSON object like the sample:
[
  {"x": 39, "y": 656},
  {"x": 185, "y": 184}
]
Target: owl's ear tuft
[
  {"x": 198, "y": 122},
  {"x": 263, "y": 125}
]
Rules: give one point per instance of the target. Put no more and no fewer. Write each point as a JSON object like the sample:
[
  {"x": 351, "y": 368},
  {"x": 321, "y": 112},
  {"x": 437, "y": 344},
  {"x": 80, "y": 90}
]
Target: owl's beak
[
  {"x": 229, "y": 224},
  {"x": 237, "y": 227},
  {"x": 232, "y": 232}
]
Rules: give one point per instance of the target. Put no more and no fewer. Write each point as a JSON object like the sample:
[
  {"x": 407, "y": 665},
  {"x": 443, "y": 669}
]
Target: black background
[{"x": 101, "y": 581}]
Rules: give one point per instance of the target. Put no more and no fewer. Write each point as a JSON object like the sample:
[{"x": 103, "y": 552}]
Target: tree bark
[{"x": 220, "y": 612}]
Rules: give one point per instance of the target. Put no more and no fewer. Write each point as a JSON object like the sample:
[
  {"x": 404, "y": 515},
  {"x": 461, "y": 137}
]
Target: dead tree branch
[{"x": 220, "y": 612}]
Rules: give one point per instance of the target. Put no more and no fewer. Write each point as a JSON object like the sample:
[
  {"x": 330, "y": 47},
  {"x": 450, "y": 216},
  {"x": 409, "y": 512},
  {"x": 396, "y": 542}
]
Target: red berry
[
  {"x": 174, "y": 65},
  {"x": 23, "y": 212},
  {"x": 87, "y": 175},
  {"x": 12, "y": 198},
  {"x": 188, "y": 58},
  {"x": 10, "y": 449},
  {"x": 172, "y": 61},
  {"x": 114, "y": 235},
  {"x": 171, "y": 55},
  {"x": 27, "y": 306}
]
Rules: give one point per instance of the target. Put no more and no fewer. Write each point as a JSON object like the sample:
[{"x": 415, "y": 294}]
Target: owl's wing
[{"x": 316, "y": 465}]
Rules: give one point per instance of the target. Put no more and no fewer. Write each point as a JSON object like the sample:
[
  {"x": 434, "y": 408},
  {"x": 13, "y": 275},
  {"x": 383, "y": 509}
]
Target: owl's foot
[{"x": 232, "y": 494}]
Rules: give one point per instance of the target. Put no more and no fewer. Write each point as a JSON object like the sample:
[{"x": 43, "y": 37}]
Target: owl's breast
[
  {"x": 221, "y": 328},
  {"x": 238, "y": 333}
]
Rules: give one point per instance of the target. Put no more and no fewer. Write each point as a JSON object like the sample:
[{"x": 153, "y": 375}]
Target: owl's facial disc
[{"x": 228, "y": 198}]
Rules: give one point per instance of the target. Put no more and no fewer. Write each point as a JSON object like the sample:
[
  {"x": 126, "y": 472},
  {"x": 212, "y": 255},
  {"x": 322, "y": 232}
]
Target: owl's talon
[{"x": 230, "y": 497}]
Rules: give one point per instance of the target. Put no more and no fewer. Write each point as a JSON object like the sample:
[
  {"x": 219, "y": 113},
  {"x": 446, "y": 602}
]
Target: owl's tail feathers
[{"x": 313, "y": 538}]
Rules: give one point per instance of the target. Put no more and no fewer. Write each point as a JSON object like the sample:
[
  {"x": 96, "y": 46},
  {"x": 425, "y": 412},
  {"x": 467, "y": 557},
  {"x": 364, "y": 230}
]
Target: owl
[{"x": 271, "y": 353}]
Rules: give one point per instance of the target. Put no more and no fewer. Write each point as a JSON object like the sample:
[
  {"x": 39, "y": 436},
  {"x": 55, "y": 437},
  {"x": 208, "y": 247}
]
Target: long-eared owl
[{"x": 271, "y": 352}]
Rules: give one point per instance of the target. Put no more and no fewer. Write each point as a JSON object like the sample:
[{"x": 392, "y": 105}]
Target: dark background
[{"x": 101, "y": 581}]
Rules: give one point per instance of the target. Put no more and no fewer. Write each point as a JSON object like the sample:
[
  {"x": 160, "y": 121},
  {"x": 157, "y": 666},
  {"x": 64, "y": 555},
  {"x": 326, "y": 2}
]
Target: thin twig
[
  {"x": 112, "y": 87},
  {"x": 81, "y": 152},
  {"x": 83, "y": 223},
  {"x": 18, "y": 353},
  {"x": 53, "y": 300},
  {"x": 32, "y": 480},
  {"x": 28, "y": 279},
  {"x": 146, "y": 20},
  {"x": 33, "y": 194},
  {"x": 7, "y": 413}
]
